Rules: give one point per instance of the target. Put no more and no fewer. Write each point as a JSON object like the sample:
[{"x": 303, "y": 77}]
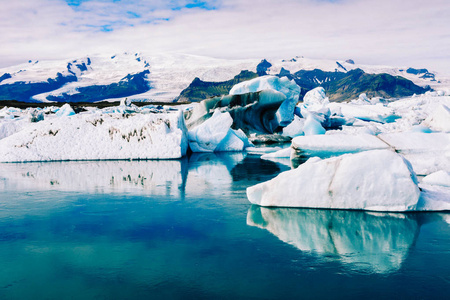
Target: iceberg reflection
[
  {"x": 364, "y": 241},
  {"x": 160, "y": 177}
]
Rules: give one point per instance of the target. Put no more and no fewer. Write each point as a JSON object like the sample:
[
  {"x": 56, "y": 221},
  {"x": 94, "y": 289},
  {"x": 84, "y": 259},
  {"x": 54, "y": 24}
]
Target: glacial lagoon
[{"x": 184, "y": 229}]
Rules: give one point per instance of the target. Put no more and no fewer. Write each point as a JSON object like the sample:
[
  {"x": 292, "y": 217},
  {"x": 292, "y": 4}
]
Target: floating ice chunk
[
  {"x": 356, "y": 130},
  {"x": 336, "y": 144},
  {"x": 313, "y": 126},
  {"x": 434, "y": 198},
  {"x": 262, "y": 150},
  {"x": 283, "y": 153},
  {"x": 287, "y": 87},
  {"x": 125, "y": 102},
  {"x": 35, "y": 115},
  {"x": 65, "y": 110},
  {"x": 315, "y": 99},
  {"x": 282, "y": 156},
  {"x": 10, "y": 112},
  {"x": 427, "y": 152},
  {"x": 438, "y": 178},
  {"x": 295, "y": 128},
  {"x": 362, "y": 100},
  {"x": 377, "y": 113},
  {"x": 354, "y": 237},
  {"x": 208, "y": 135},
  {"x": 440, "y": 119},
  {"x": 240, "y": 134},
  {"x": 378, "y": 180},
  {"x": 231, "y": 142},
  {"x": 98, "y": 136}
]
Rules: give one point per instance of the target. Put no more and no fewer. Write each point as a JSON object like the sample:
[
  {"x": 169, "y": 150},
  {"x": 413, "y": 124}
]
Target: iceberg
[
  {"x": 441, "y": 178},
  {"x": 366, "y": 112},
  {"x": 439, "y": 120},
  {"x": 35, "y": 115},
  {"x": 434, "y": 198},
  {"x": 215, "y": 134},
  {"x": 251, "y": 112},
  {"x": 295, "y": 128},
  {"x": 378, "y": 180},
  {"x": 363, "y": 241},
  {"x": 65, "y": 111},
  {"x": 283, "y": 153},
  {"x": 289, "y": 88},
  {"x": 336, "y": 144},
  {"x": 94, "y": 136},
  {"x": 312, "y": 125},
  {"x": 427, "y": 152},
  {"x": 315, "y": 99}
]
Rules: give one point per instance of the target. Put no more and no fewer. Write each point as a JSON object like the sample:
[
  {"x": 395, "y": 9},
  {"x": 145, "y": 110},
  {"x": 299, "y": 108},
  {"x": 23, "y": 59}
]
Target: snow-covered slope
[{"x": 158, "y": 77}]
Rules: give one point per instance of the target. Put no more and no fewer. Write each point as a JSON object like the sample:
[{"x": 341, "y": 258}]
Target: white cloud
[{"x": 395, "y": 32}]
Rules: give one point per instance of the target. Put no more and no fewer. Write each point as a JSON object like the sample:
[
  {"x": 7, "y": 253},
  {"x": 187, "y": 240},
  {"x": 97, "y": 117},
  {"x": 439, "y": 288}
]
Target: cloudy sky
[{"x": 388, "y": 32}]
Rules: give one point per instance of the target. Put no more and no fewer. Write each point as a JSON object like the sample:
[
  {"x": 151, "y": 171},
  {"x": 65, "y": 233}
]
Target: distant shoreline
[{"x": 101, "y": 104}]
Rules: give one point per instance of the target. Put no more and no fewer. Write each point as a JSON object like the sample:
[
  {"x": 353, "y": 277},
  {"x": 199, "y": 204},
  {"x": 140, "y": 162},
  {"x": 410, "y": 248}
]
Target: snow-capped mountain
[{"x": 162, "y": 77}]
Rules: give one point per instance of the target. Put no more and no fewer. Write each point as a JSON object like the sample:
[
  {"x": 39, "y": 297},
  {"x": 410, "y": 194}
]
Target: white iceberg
[
  {"x": 378, "y": 180},
  {"x": 336, "y": 144},
  {"x": 295, "y": 128},
  {"x": 65, "y": 110},
  {"x": 35, "y": 115},
  {"x": 440, "y": 119},
  {"x": 231, "y": 142},
  {"x": 215, "y": 134},
  {"x": 283, "y": 153},
  {"x": 441, "y": 178},
  {"x": 434, "y": 198},
  {"x": 312, "y": 125},
  {"x": 366, "y": 112},
  {"x": 315, "y": 99},
  {"x": 427, "y": 152},
  {"x": 98, "y": 136}
]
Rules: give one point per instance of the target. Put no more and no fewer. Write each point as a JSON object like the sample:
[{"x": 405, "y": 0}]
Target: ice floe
[
  {"x": 441, "y": 178},
  {"x": 378, "y": 180},
  {"x": 336, "y": 144}
]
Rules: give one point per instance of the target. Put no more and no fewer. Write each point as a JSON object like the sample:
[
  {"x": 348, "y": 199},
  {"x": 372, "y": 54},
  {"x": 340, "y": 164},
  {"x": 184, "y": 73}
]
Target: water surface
[{"x": 184, "y": 229}]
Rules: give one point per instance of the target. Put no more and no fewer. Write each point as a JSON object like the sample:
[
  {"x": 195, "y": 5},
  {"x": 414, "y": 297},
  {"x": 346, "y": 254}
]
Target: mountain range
[{"x": 180, "y": 77}]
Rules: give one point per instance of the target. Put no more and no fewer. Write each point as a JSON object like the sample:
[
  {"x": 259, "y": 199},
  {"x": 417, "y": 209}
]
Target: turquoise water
[{"x": 185, "y": 230}]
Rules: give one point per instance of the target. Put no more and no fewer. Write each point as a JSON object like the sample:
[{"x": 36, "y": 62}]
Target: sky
[{"x": 400, "y": 33}]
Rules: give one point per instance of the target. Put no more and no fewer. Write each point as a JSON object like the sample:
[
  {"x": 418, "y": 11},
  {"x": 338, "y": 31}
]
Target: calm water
[{"x": 185, "y": 230}]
